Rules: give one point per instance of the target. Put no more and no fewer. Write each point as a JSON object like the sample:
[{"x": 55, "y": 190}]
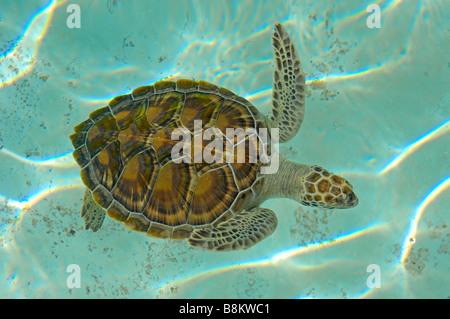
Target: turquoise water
[{"x": 377, "y": 113}]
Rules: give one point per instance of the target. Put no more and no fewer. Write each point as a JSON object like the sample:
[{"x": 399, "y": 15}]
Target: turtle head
[{"x": 327, "y": 190}]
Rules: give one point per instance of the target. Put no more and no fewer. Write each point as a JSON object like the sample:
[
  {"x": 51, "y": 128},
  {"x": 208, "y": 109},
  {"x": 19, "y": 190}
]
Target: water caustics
[
  {"x": 18, "y": 208},
  {"x": 21, "y": 56},
  {"x": 278, "y": 259}
]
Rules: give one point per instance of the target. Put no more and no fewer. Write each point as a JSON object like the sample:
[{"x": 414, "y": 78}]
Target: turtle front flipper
[
  {"x": 239, "y": 232},
  {"x": 288, "y": 86},
  {"x": 91, "y": 212}
]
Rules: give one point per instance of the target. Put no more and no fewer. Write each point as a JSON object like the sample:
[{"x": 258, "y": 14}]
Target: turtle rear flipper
[
  {"x": 239, "y": 232},
  {"x": 91, "y": 212}
]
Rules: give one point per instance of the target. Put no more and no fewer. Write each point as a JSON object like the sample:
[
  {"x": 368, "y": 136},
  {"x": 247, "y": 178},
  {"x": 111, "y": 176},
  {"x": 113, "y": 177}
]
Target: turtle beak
[
  {"x": 346, "y": 198},
  {"x": 349, "y": 200}
]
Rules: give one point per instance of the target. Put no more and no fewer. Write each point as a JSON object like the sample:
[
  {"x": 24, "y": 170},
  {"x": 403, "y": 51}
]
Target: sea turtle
[{"x": 125, "y": 151}]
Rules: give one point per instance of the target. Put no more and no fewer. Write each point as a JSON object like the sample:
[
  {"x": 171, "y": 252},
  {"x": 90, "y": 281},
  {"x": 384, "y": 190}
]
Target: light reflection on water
[{"x": 220, "y": 47}]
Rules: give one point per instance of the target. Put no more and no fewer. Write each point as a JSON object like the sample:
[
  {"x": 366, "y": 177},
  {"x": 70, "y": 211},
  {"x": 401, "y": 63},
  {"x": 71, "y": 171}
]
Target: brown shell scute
[
  {"x": 162, "y": 108},
  {"x": 191, "y": 111},
  {"x": 214, "y": 193},
  {"x": 124, "y": 151},
  {"x": 101, "y": 134},
  {"x": 172, "y": 194},
  {"x": 133, "y": 188},
  {"x": 108, "y": 165}
]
